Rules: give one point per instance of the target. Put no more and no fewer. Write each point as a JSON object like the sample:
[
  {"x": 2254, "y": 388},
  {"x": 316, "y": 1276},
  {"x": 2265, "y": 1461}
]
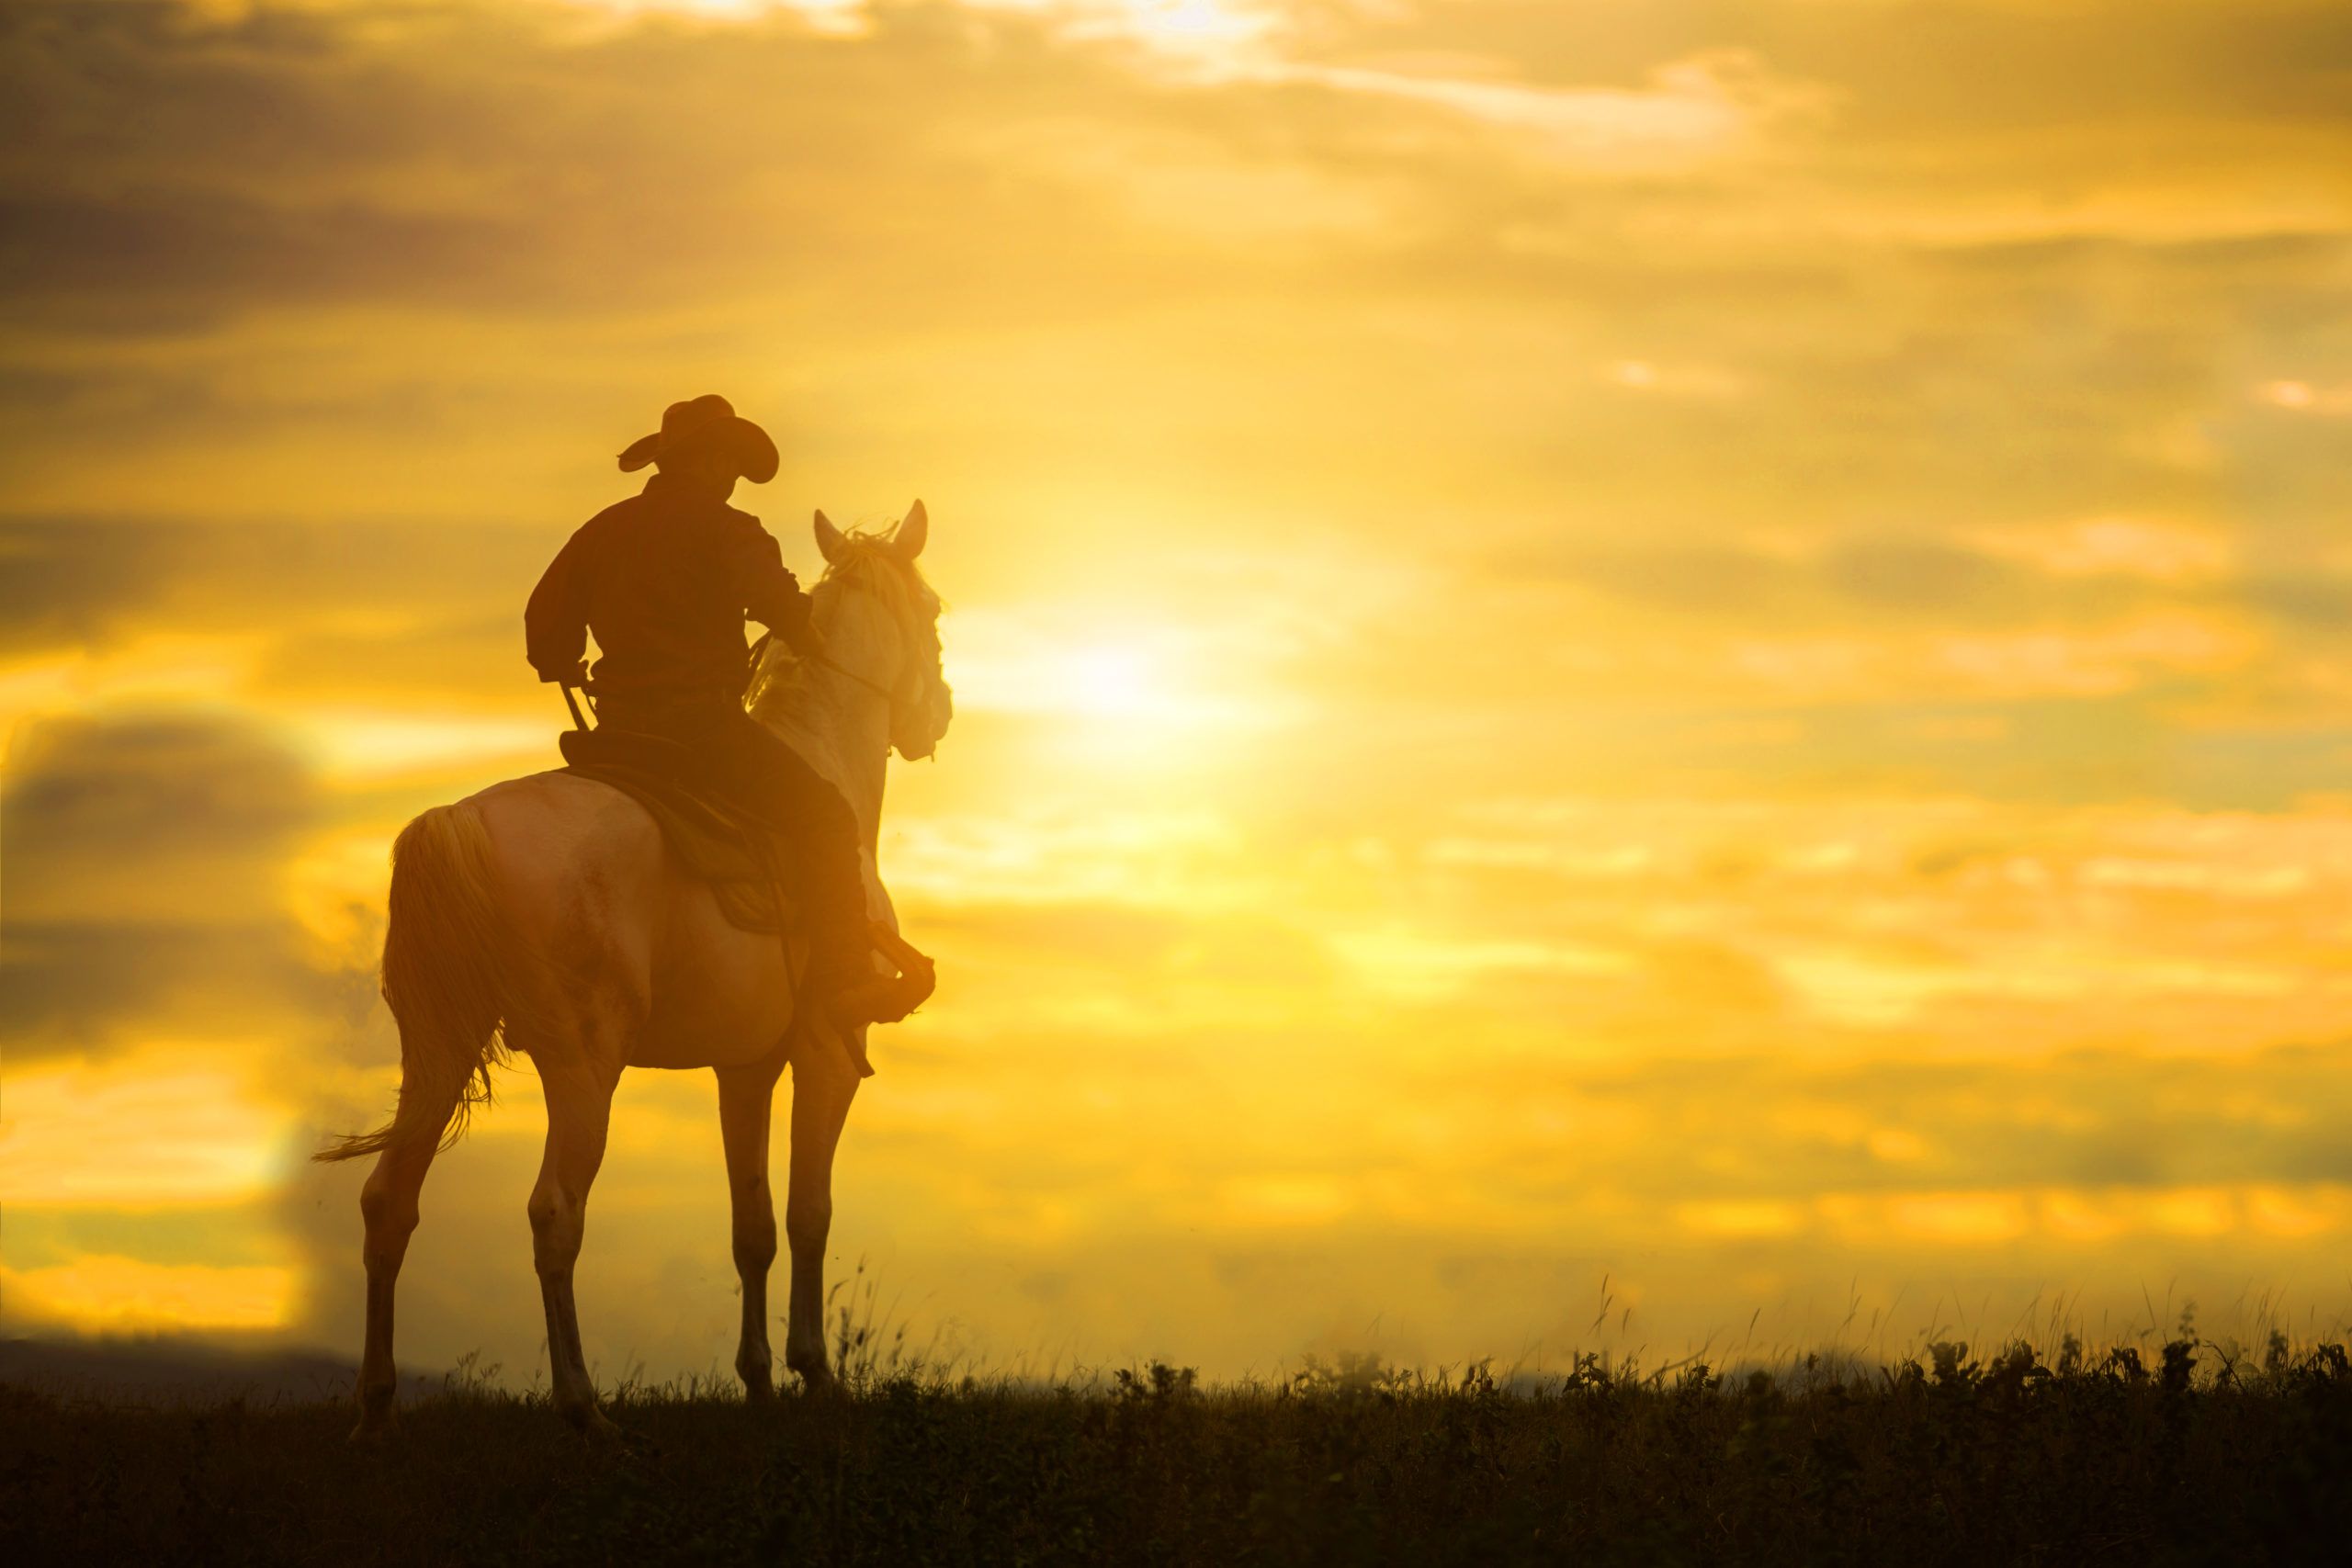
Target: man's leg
[
  {"x": 843, "y": 985},
  {"x": 771, "y": 779},
  {"x": 737, "y": 757}
]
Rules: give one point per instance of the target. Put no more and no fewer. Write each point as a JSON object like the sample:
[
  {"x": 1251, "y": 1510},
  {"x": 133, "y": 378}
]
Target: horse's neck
[{"x": 847, "y": 740}]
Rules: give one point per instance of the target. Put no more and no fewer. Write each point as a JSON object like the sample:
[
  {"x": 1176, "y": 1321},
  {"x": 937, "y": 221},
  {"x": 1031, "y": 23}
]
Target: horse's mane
[
  {"x": 873, "y": 546},
  {"x": 869, "y": 561}
]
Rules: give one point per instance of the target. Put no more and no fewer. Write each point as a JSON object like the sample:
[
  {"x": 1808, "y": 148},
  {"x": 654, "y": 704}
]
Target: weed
[{"x": 1959, "y": 1456}]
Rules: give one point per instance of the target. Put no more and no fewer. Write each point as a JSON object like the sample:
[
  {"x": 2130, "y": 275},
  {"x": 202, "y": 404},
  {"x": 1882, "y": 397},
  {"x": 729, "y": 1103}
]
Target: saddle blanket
[{"x": 749, "y": 863}]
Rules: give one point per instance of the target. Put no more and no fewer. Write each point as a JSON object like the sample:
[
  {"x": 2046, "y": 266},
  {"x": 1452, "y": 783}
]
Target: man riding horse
[
  {"x": 606, "y": 916},
  {"x": 665, "y": 581}
]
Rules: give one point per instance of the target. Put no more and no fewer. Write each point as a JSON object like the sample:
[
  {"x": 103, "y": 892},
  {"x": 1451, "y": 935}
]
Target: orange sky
[{"x": 1697, "y": 645}]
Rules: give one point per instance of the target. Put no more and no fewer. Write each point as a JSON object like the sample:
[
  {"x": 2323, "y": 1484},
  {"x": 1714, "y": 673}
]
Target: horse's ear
[
  {"x": 830, "y": 541},
  {"x": 908, "y": 540}
]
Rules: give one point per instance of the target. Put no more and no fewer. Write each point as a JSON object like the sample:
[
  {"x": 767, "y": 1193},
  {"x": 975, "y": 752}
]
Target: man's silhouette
[{"x": 666, "y": 580}]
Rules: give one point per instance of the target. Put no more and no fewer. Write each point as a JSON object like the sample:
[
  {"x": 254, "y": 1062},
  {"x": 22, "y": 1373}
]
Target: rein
[
  {"x": 751, "y": 662},
  {"x": 876, "y": 687},
  {"x": 759, "y": 648}
]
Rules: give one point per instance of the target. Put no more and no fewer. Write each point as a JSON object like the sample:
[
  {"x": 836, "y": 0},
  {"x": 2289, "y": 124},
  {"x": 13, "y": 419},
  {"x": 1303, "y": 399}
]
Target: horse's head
[{"x": 880, "y": 621}]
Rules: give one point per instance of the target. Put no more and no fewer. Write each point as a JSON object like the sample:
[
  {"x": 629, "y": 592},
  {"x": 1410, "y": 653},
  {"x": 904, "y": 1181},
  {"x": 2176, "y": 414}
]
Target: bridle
[
  {"x": 844, "y": 671},
  {"x": 826, "y": 658},
  {"x": 759, "y": 650}
]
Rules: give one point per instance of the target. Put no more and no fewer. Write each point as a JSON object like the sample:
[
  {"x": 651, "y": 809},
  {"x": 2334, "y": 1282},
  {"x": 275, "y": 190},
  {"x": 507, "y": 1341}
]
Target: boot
[
  {"x": 836, "y": 1014},
  {"x": 887, "y": 999}
]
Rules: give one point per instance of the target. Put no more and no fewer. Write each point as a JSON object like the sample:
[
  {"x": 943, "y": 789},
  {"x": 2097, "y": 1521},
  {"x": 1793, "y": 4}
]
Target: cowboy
[{"x": 665, "y": 579}]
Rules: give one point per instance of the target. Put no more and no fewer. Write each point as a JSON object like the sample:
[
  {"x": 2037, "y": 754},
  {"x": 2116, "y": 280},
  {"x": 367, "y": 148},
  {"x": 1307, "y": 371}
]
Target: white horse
[{"x": 547, "y": 915}]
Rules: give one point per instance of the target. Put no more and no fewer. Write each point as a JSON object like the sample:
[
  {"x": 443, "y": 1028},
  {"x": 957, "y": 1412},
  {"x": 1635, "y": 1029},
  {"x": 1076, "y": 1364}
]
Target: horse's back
[
  {"x": 566, "y": 851},
  {"x": 623, "y": 946}
]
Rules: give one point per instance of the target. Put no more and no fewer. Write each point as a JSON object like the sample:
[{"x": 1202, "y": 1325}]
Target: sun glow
[
  {"x": 105, "y": 1294},
  {"x": 358, "y": 746},
  {"x": 139, "y": 1130},
  {"x": 1149, "y": 680}
]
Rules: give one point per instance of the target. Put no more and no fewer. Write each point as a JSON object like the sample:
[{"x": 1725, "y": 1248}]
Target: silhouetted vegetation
[{"x": 2201, "y": 1455}]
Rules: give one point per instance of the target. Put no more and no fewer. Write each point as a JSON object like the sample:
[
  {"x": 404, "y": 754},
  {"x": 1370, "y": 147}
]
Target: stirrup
[
  {"x": 848, "y": 1010},
  {"x": 888, "y": 1000}
]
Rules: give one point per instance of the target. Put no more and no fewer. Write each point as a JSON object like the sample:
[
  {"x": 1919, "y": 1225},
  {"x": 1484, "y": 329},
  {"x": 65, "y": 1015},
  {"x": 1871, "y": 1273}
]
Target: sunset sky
[{"x": 1630, "y": 675}]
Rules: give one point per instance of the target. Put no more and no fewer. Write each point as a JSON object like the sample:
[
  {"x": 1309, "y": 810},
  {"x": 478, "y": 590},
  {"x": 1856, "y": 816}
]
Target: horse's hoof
[
  {"x": 375, "y": 1419},
  {"x": 594, "y": 1425},
  {"x": 759, "y": 1391}
]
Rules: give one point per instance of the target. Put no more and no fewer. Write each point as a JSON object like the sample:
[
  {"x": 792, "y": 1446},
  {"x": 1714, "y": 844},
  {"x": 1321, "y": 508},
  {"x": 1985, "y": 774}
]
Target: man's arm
[
  {"x": 772, "y": 595},
  {"x": 555, "y": 623}
]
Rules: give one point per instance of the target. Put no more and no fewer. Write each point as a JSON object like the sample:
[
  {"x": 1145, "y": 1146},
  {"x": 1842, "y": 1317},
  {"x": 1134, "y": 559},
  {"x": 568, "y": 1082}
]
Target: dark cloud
[
  {"x": 62, "y": 582},
  {"x": 2324, "y": 601},
  {"x": 2081, "y": 1119},
  {"x": 485, "y": 156},
  {"x": 138, "y": 882},
  {"x": 958, "y": 173},
  {"x": 81, "y": 988},
  {"x": 1908, "y": 74},
  {"x": 222, "y": 247},
  {"x": 440, "y": 603},
  {"x": 1700, "y": 580},
  {"x": 161, "y": 814},
  {"x": 1909, "y": 576},
  {"x": 1897, "y": 576}
]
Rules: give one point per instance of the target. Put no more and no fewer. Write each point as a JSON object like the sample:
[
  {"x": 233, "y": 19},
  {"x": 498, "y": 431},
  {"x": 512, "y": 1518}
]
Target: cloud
[
  {"x": 361, "y": 606},
  {"x": 139, "y": 864},
  {"x": 1895, "y": 576},
  {"x": 59, "y": 582},
  {"x": 145, "y": 821},
  {"x": 95, "y": 989},
  {"x": 487, "y": 155},
  {"x": 1693, "y": 113},
  {"x": 2156, "y": 549},
  {"x": 546, "y": 205}
]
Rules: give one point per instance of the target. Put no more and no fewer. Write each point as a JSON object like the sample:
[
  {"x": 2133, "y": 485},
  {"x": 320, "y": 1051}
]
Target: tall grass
[{"x": 2188, "y": 1453}]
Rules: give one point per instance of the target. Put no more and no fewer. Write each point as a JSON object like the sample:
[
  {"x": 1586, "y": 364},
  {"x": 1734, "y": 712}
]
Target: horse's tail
[{"x": 445, "y": 980}]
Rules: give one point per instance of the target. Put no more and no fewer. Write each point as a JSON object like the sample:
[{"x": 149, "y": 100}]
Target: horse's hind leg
[
  {"x": 823, "y": 1086},
  {"x": 388, "y": 1204},
  {"x": 745, "y": 1098},
  {"x": 580, "y": 1109}
]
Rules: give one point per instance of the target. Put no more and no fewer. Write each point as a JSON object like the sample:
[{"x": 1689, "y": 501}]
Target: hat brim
[{"x": 755, "y": 456}]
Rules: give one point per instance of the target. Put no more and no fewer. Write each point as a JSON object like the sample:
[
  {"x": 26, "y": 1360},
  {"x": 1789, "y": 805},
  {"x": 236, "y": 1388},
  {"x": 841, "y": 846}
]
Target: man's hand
[{"x": 806, "y": 640}]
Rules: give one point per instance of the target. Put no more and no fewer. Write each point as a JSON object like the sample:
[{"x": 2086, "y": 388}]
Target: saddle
[{"x": 748, "y": 861}]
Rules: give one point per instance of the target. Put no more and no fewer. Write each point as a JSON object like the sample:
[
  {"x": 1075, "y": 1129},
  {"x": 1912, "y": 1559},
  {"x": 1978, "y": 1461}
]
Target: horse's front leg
[
  {"x": 745, "y": 1095},
  {"x": 580, "y": 1110},
  {"x": 823, "y": 1083}
]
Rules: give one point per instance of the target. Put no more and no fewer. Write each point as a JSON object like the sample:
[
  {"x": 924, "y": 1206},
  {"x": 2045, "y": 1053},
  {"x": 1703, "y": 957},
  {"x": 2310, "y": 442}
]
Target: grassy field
[{"x": 2197, "y": 1457}]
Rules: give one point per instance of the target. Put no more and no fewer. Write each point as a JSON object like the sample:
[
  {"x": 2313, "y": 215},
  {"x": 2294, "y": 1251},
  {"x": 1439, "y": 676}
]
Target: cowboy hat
[{"x": 690, "y": 426}]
